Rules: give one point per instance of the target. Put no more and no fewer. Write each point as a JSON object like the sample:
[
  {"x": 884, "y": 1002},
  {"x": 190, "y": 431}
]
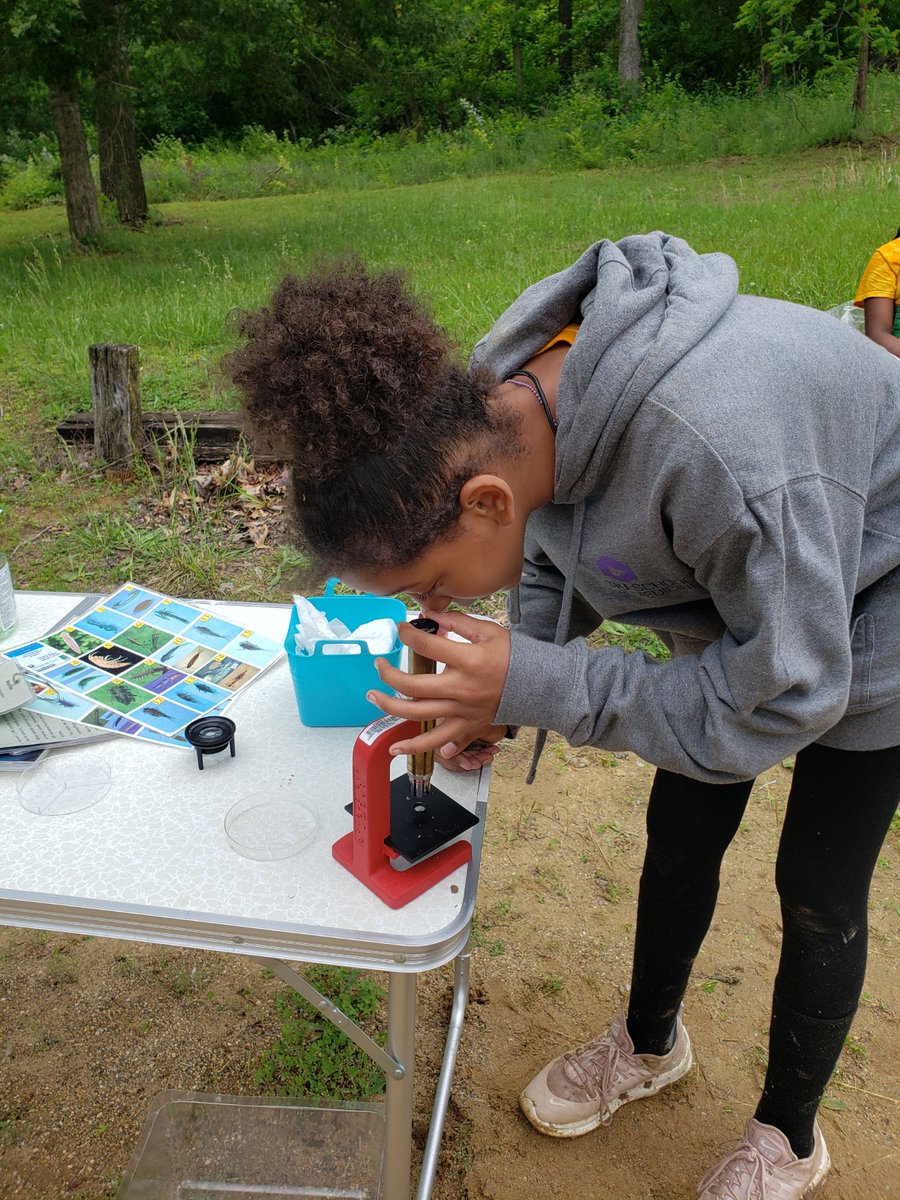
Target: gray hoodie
[{"x": 727, "y": 474}]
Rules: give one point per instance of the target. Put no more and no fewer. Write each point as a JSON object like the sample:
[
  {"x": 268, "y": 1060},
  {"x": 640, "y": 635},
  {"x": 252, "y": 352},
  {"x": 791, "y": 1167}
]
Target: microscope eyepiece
[{"x": 426, "y": 624}]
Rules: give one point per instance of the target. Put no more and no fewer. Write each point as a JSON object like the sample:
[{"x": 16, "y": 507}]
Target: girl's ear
[{"x": 488, "y": 496}]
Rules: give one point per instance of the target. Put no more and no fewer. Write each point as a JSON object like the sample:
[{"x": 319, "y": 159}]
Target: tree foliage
[
  {"x": 314, "y": 69},
  {"x": 798, "y": 38}
]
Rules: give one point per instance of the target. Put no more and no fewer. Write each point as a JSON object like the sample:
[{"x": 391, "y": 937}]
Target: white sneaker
[
  {"x": 764, "y": 1167},
  {"x": 582, "y": 1089}
]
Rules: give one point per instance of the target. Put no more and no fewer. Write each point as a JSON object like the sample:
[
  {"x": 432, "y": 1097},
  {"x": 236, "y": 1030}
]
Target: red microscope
[{"x": 401, "y": 825}]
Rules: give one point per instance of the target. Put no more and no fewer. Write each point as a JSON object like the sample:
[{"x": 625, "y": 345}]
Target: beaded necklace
[{"x": 534, "y": 386}]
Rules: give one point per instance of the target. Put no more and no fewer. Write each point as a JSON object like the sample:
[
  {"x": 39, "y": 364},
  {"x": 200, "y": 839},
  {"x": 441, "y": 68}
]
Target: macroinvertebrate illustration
[
  {"x": 144, "y": 672},
  {"x": 84, "y": 681},
  {"x": 156, "y": 713},
  {"x": 147, "y": 638},
  {"x": 92, "y": 620},
  {"x": 122, "y": 693},
  {"x": 109, "y": 662}
]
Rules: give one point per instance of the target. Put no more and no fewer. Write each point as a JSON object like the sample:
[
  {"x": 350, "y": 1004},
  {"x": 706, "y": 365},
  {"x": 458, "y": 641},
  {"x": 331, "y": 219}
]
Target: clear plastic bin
[
  {"x": 207, "y": 1147},
  {"x": 331, "y": 688}
]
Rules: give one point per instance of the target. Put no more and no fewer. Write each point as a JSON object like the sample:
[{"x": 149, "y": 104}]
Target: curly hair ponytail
[{"x": 384, "y": 424}]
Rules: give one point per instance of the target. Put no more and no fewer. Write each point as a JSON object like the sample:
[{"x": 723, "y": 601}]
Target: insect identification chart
[{"x": 143, "y": 664}]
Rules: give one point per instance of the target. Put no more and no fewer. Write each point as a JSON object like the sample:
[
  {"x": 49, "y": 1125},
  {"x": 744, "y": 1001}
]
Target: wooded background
[{"x": 123, "y": 77}]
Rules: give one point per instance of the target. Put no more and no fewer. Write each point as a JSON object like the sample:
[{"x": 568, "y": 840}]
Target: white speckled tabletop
[{"x": 151, "y": 861}]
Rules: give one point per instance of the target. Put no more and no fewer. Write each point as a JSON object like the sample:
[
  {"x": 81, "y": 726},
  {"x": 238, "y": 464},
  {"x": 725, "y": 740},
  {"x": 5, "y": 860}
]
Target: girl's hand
[
  {"x": 464, "y": 696},
  {"x": 476, "y": 754}
]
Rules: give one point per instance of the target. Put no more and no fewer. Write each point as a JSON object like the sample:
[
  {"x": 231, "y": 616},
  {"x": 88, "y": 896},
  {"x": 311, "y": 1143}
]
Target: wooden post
[{"x": 116, "y": 393}]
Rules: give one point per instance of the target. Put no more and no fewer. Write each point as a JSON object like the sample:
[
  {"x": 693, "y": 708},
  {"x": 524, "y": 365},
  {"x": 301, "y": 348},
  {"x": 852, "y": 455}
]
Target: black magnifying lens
[{"x": 210, "y": 735}]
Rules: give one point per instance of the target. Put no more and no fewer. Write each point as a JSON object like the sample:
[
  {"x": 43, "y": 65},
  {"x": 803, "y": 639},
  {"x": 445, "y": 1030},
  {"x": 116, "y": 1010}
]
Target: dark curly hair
[{"x": 384, "y": 423}]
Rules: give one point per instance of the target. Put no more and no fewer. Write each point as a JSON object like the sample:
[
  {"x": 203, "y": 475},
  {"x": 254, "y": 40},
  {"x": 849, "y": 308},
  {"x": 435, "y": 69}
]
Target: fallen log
[{"x": 214, "y": 435}]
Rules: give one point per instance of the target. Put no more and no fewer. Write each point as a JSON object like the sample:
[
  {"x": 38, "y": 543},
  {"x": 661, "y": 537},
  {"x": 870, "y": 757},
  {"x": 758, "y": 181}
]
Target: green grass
[
  {"x": 801, "y": 227},
  {"x": 630, "y": 638},
  {"x": 582, "y": 128},
  {"x": 311, "y": 1057}
]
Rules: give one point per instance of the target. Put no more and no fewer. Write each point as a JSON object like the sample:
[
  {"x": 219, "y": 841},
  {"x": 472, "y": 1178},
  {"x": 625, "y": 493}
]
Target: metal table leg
[
  {"x": 461, "y": 968},
  {"x": 397, "y": 1060},
  {"x": 398, "y": 1100}
]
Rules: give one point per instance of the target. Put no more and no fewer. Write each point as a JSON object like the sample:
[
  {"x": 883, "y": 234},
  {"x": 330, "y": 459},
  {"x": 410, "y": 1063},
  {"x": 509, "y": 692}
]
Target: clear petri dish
[
  {"x": 270, "y": 827},
  {"x": 64, "y": 783}
]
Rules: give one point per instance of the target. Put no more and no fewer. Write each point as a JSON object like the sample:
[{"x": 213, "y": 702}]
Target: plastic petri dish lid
[
  {"x": 270, "y": 827},
  {"x": 64, "y": 783}
]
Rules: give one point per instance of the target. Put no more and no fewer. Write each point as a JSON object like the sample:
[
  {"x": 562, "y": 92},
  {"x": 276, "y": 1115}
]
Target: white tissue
[
  {"x": 312, "y": 627},
  {"x": 379, "y": 635}
]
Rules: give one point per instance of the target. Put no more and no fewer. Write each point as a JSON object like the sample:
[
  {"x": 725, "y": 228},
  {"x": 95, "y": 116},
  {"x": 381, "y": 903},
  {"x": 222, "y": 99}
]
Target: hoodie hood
[{"x": 642, "y": 304}]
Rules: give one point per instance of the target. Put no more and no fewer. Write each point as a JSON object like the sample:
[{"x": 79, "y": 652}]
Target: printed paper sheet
[{"x": 143, "y": 664}]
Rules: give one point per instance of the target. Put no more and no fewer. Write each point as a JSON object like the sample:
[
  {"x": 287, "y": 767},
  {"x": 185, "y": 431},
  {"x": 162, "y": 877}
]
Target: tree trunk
[
  {"x": 517, "y": 70},
  {"x": 564, "y": 16},
  {"x": 78, "y": 183},
  {"x": 515, "y": 34},
  {"x": 861, "y": 90},
  {"x": 120, "y": 166},
  {"x": 415, "y": 113},
  {"x": 765, "y": 76},
  {"x": 630, "y": 13}
]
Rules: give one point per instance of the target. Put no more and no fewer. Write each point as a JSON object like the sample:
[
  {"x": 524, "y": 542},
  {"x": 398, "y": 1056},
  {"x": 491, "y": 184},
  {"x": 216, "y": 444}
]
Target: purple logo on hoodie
[{"x": 613, "y": 569}]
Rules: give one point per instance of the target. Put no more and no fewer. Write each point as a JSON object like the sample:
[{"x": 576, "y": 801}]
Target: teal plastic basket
[{"x": 331, "y": 688}]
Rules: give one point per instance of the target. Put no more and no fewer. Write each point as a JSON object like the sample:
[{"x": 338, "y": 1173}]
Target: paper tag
[
  {"x": 14, "y": 689},
  {"x": 7, "y": 598}
]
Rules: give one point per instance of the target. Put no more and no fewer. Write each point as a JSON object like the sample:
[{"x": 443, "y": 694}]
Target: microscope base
[{"x": 397, "y": 888}]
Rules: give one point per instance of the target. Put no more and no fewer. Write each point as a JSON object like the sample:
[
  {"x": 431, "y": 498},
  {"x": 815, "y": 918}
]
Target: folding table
[{"x": 151, "y": 862}]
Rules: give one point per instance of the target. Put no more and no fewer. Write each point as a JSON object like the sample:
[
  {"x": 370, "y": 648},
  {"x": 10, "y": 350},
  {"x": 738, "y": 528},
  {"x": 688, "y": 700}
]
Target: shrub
[{"x": 36, "y": 182}]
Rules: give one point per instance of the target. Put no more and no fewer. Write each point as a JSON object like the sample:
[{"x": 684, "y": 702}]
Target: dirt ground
[{"x": 92, "y": 1029}]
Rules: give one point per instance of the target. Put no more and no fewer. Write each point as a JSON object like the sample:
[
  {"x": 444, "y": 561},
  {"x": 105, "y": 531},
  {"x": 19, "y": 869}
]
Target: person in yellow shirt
[{"x": 878, "y": 295}]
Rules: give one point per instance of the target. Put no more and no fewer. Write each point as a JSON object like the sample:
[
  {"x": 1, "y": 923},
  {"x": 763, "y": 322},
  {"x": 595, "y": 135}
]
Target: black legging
[{"x": 839, "y": 810}]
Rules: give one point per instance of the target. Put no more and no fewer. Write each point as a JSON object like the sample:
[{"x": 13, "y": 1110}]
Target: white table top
[{"x": 151, "y": 861}]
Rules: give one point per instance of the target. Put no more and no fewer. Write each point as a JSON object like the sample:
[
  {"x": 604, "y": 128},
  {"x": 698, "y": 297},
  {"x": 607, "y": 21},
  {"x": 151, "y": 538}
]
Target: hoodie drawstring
[{"x": 562, "y": 624}]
